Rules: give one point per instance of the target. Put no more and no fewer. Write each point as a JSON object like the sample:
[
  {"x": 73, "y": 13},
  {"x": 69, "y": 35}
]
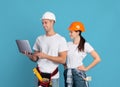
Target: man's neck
[{"x": 51, "y": 33}]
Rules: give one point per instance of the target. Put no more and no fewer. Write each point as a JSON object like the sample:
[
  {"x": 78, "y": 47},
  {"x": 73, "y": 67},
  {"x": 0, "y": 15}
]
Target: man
[{"x": 50, "y": 49}]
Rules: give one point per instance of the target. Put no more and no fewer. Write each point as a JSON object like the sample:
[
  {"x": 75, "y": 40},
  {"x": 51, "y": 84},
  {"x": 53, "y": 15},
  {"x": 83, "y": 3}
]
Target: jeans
[
  {"x": 78, "y": 81},
  {"x": 55, "y": 82}
]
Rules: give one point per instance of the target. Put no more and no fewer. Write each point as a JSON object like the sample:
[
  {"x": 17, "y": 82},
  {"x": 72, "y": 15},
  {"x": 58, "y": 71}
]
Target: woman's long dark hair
[{"x": 81, "y": 43}]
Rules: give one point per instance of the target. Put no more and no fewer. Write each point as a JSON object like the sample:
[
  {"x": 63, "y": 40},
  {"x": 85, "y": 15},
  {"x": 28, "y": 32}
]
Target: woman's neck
[{"x": 76, "y": 40}]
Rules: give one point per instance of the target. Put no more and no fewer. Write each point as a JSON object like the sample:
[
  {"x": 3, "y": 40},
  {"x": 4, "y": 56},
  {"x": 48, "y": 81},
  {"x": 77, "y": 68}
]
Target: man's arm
[{"x": 61, "y": 58}]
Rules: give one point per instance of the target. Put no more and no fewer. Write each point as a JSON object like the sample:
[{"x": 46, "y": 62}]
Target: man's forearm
[{"x": 57, "y": 59}]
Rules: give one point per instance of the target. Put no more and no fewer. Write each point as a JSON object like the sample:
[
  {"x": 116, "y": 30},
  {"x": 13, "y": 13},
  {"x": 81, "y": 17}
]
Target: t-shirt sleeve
[
  {"x": 63, "y": 45},
  {"x": 36, "y": 46},
  {"x": 88, "y": 47}
]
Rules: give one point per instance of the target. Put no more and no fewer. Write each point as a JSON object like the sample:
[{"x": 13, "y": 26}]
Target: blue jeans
[
  {"x": 78, "y": 81},
  {"x": 55, "y": 82}
]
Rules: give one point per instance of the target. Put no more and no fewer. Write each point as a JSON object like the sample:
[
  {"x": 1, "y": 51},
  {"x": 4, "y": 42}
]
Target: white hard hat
[{"x": 49, "y": 15}]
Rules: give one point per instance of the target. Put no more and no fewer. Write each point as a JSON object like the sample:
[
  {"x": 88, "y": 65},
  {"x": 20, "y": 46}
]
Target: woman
[{"x": 78, "y": 49}]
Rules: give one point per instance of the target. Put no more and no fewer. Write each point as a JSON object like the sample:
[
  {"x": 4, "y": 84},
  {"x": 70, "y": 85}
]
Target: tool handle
[{"x": 37, "y": 74}]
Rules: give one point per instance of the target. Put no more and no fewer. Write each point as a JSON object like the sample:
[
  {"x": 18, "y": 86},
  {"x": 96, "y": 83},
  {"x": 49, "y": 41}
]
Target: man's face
[{"x": 47, "y": 24}]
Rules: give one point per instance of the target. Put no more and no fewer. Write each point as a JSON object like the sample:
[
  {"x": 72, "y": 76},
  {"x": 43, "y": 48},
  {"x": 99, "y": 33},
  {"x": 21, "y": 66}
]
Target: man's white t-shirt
[
  {"x": 75, "y": 57},
  {"x": 50, "y": 45}
]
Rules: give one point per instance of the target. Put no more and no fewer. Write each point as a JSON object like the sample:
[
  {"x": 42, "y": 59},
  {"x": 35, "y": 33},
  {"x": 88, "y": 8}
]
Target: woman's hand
[{"x": 83, "y": 68}]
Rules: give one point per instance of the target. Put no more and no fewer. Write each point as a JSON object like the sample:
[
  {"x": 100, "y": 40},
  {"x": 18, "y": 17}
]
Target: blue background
[{"x": 20, "y": 19}]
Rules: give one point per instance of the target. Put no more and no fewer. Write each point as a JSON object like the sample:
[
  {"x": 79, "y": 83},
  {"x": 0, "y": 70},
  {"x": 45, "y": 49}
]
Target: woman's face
[{"x": 73, "y": 34}]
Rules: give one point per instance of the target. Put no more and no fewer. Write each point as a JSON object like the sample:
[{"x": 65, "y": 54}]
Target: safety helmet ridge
[
  {"x": 49, "y": 15},
  {"x": 74, "y": 26}
]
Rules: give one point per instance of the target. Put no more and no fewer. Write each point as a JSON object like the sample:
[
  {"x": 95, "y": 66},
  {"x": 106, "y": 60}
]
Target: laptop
[{"x": 24, "y": 45}]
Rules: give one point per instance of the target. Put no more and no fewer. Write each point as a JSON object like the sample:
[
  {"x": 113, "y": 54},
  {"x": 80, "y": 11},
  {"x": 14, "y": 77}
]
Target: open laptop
[{"x": 24, "y": 45}]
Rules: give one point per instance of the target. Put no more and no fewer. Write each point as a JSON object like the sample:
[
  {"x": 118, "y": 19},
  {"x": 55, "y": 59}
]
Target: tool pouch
[{"x": 46, "y": 78}]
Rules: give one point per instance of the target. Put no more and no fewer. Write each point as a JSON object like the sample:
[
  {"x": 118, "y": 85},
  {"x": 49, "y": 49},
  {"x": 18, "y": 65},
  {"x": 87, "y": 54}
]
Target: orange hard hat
[{"x": 76, "y": 26}]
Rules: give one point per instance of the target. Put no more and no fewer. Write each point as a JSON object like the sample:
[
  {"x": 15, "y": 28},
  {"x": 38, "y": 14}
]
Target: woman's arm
[{"x": 96, "y": 60}]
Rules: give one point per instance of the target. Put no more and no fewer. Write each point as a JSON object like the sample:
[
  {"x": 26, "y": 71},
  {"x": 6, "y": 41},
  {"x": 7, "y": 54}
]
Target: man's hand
[
  {"x": 31, "y": 56},
  {"x": 40, "y": 54}
]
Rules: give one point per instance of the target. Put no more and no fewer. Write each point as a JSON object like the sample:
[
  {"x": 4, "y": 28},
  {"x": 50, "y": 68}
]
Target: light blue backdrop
[{"x": 20, "y": 19}]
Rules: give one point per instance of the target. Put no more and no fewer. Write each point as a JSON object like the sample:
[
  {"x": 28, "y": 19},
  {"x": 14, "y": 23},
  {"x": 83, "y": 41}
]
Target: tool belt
[{"x": 46, "y": 78}]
